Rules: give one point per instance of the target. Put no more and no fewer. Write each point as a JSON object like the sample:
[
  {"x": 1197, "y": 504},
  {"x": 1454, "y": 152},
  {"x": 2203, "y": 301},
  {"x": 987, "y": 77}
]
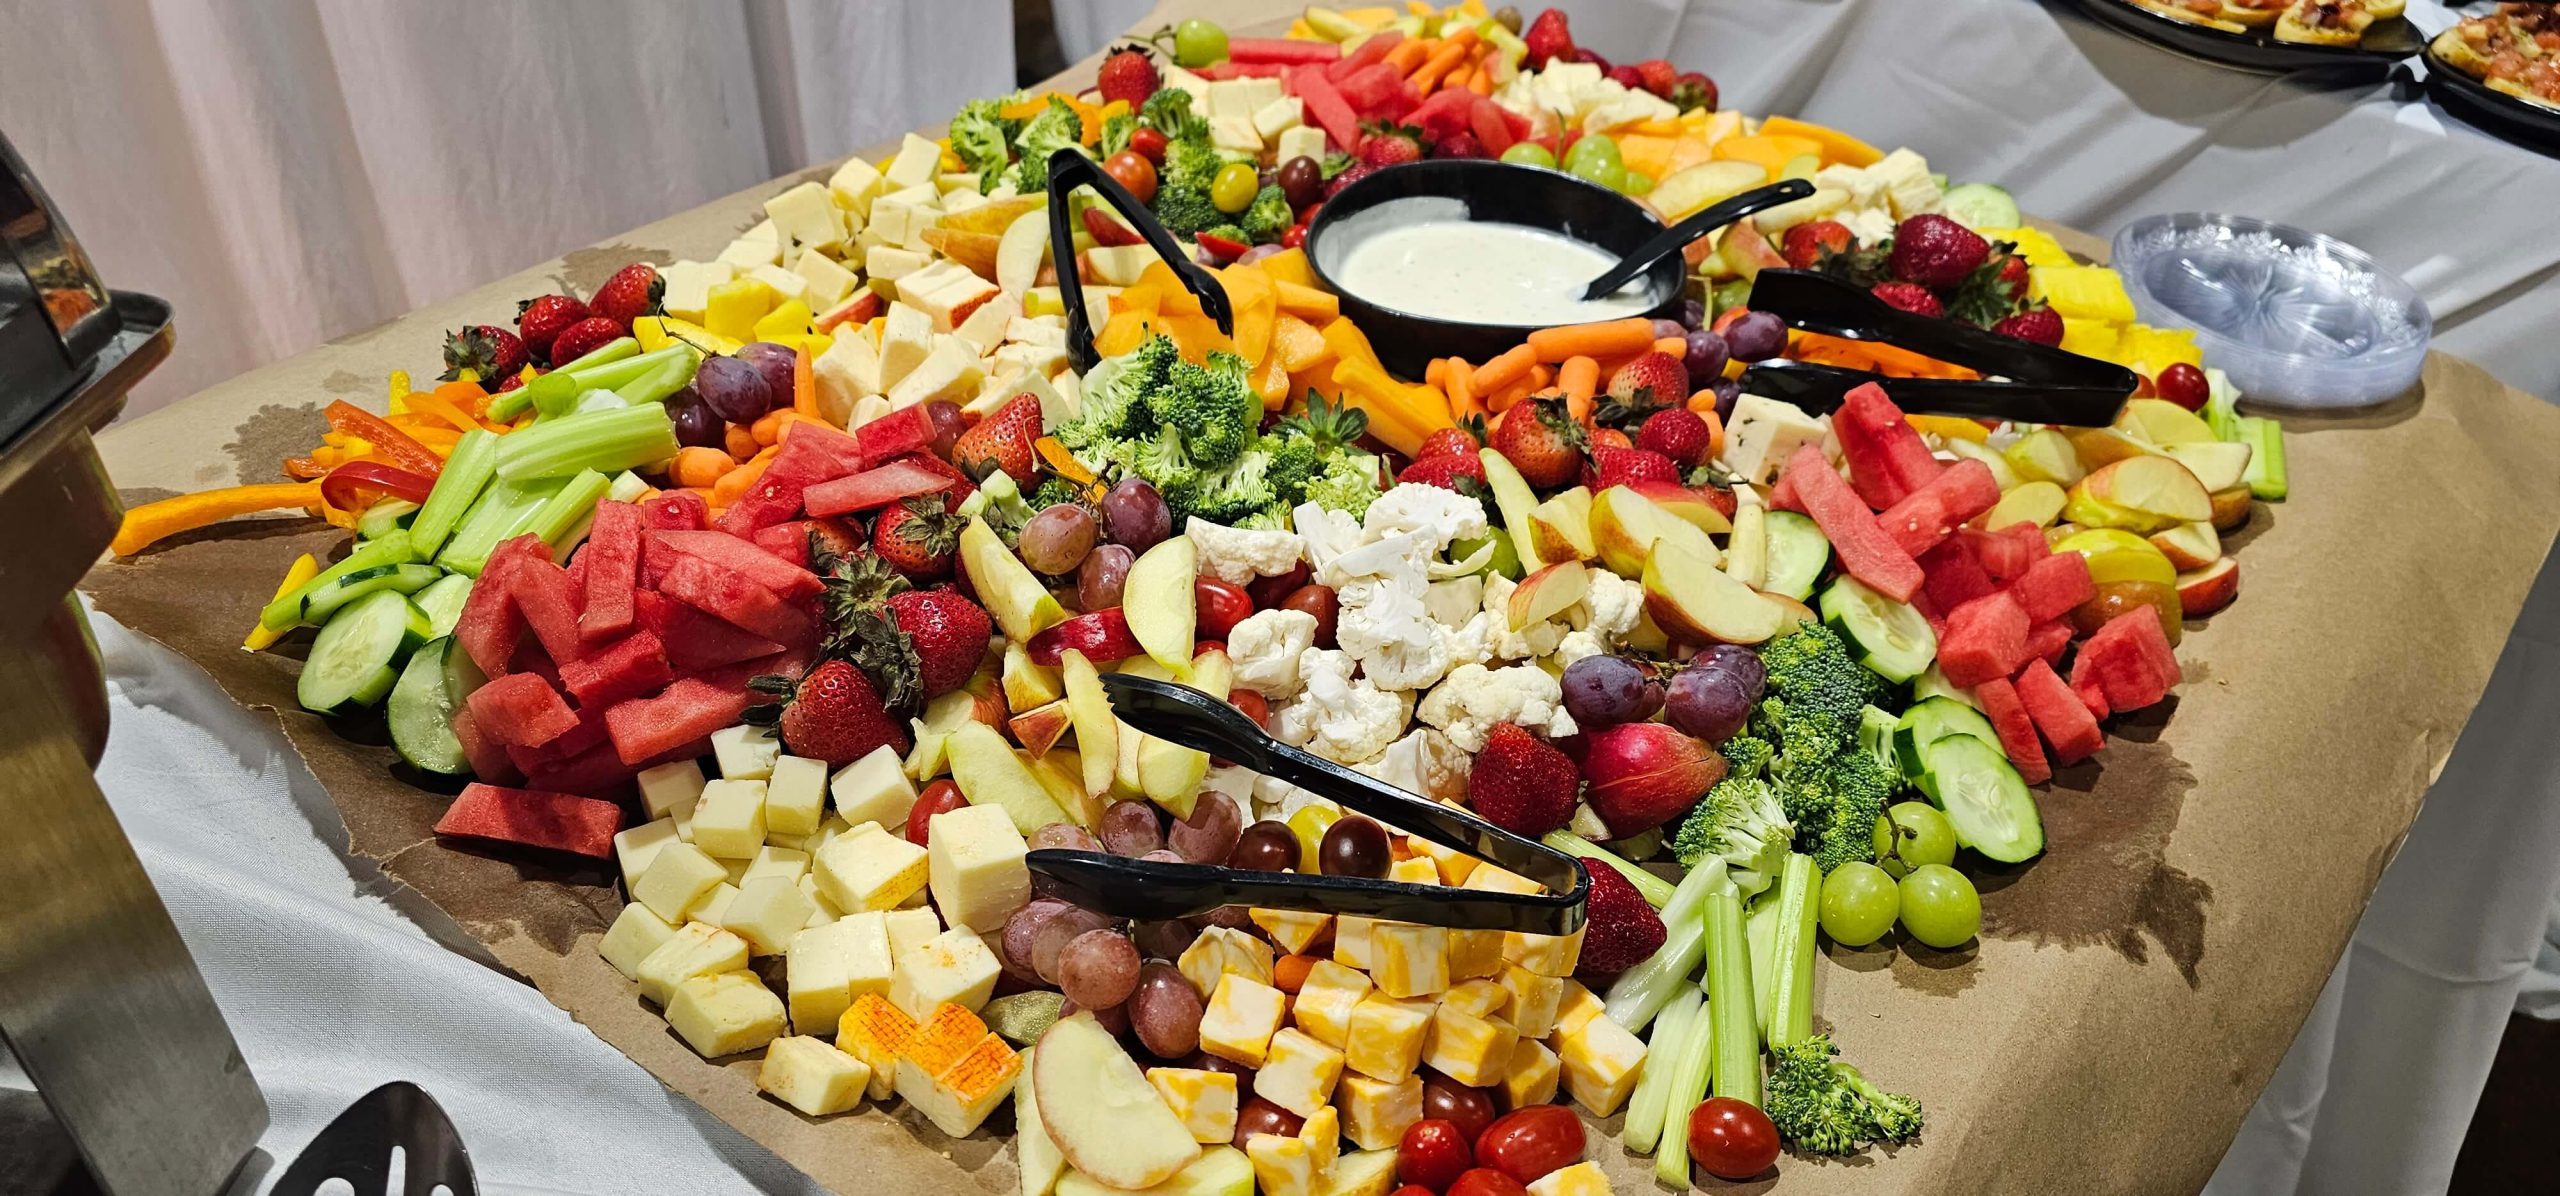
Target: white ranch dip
[{"x": 1425, "y": 258}]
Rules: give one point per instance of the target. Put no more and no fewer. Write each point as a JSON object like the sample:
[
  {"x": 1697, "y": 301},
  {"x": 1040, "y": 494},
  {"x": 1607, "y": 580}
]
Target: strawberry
[
  {"x": 1909, "y": 296},
  {"x": 1390, "y": 145},
  {"x": 1605, "y": 437},
  {"x": 1547, "y": 38},
  {"x": 1129, "y": 74},
  {"x": 1462, "y": 472},
  {"x": 1448, "y": 442},
  {"x": 633, "y": 291},
  {"x": 1617, "y": 467},
  {"x": 1620, "y": 930},
  {"x": 486, "y": 350},
  {"x": 2042, "y": 325},
  {"x": 832, "y": 713},
  {"x": 584, "y": 337},
  {"x": 1659, "y": 76},
  {"x": 1461, "y": 144},
  {"x": 1653, "y": 376},
  {"x": 1935, "y": 251},
  {"x": 1805, "y": 244},
  {"x": 1541, "y": 441},
  {"x": 917, "y": 538},
  {"x": 948, "y": 634},
  {"x": 1693, "y": 92},
  {"x": 1350, "y": 174},
  {"x": 539, "y": 321},
  {"x": 2013, "y": 276},
  {"x": 513, "y": 381},
  {"x": 837, "y": 535},
  {"x": 1677, "y": 434},
  {"x": 1002, "y": 441},
  {"x": 1522, "y": 783},
  {"x": 1627, "y": 77}
]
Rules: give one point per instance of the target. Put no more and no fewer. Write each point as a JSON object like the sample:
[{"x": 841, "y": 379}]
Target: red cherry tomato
[
  {"x": 1413, "y": 1190},
  {"x": 1484, "y": 1181},
  {"x": 1133, "y": 171},
  {"x": 1295, "y": 238},
  {"x": 2184, "y": 385},
  {"x": 2142, "y": 386},
  {"x": 1527, "y": 1143},
  {"x": 1149, "y": 144},
  {"x": 937, "y": 797},
  {"x": 1448, "y": 1100},
  {"x": 1268, "y": 591},
  {"x": 1732, "y": 1139},
  {"x": 1433, "y": 1154},
  {"x": 1220, "y": 606},
  {"x": 1253, "y": 705}
]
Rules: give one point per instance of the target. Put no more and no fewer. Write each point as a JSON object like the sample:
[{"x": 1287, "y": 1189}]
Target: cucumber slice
[
  {"x": 1982, "y": 205},
  {"x": 285, "y": 613},
  {"x": 1934, "y": 684},
  {"x": 1929, "y": 720},
  {"x": 1798, "y": 551},
  {"x": 443, "y": 602},
  {"x": 383, "y": 518},
  {"x": 420, "y": 710},
  {"x": 1984, "y": 798},
  {"x": 399, "y": 579},
  {"x": 1891, "y": 638},
  {"x": 351, "y": 660}
]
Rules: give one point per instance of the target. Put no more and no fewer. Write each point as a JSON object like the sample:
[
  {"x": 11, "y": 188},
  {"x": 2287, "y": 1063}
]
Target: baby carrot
[
  {"x": 1461, "y": 381},
  {"x": 1436, "y": 372},
  {"x": 1540, "y": 377},
  {"x": 1578, "y": 378},
  {"x": 1453, "y": 49},
  {"x": 1410, "y": 53},
  {"x": 1715, "y": 431},
  {"x": 1673, "y": 345},
  {"x": 804, "y": 385},
  {"x": 1509, "y": 367},
  {"x": 697, "y": 466},
  {"x": 1480, "y": 81},
  {"x": 768, "y": 427},
  {"x": 740, "y": 440},
  {"x": 1458, "y": 79},
  {"x": 1607, "y": 338},
  {"x": 733, "y": 484}
]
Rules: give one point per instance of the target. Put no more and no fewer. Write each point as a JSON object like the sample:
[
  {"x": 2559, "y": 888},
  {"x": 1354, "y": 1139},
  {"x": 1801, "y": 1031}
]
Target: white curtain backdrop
[{"x": 287, "y": 171}]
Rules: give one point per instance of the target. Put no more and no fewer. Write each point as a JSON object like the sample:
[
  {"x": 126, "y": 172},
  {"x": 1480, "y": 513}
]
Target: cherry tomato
[
  {"x": 1527, "y": 1143},
  {"x": 1268, "y": 591},
  {"x": 1484, "y": 1181},
  {"x": 937, "y": 797},
  {"x": 1295, "y": 238},
  {"x": 1433, "y": 1154},
  {"x": 1318, "y": 600},
  {"x": 1255, "y": 707},
  {"x": 1732, "y": 1139},
  {"x": 1132, "y": 170},
  {"x": 1148, "y": 144},
  {"x": 1448, "y": 1100},
  {"x": 1413, "y": 1190},
  {"x": 1220, "y": 606},
  {"x": 2184, "y": 385}
]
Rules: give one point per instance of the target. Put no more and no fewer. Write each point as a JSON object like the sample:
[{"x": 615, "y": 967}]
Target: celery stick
[
  {"x": 613, "y": 375},
  {"x": 2265, "y": 474},
  {"x": 605, "y": 441},
  {"x": 613, "y": 350},
  {"x": 562, "y": 521},
  {"x": 393, "y": 548},
  {"x": 656, "y": 385},
  {"x": 1653, "y": 1088},
  {"x": 2221, "y": 405},
  {"x": 466, "y": 474},
  {"x": 1790, "y": 1018},
  {"x": 1655, "y": 890},
  {"x": 1737, "y": 1042},
  {"x": 1696, "y": 1062},
  {"x": 503, "y": 513},
  {"x": 598, "y": 400},
  {"x": 630, "y": 487},
  {"x": 1760, "y": 926},
  {"x": 1641, "y": 991}
]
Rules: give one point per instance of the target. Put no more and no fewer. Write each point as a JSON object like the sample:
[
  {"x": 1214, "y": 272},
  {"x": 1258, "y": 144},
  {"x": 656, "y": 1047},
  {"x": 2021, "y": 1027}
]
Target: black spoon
[{"x": 1708, "y": 219}]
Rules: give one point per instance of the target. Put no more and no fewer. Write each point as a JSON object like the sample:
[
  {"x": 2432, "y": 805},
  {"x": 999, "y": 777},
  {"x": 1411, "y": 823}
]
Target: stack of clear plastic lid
[{"x": 2296, "y": 318}]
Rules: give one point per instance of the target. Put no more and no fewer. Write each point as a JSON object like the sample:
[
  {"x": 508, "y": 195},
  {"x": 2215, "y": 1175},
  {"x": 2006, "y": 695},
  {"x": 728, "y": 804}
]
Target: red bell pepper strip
[
  {"x": 355, "y": 485},
  {"x": 394, "y": 445}
]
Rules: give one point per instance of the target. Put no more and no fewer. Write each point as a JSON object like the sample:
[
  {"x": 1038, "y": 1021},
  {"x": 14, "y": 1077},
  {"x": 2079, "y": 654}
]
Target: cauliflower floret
[
  {"x": 1424, "y": 762},
  {"x": 1579, "y": 644},
  {"x": 1326, "y": 533},
  {"x": 1610, "y": 606},
  {"x": 1527, "y": 643},
  {"x": 1275, "y": 800},
  {"x": 1237, "y": 555},
  {"x": 1414, "y": 507},
  {"x": 1381, "y": 624},
  {"x": 1475, "y": 698},
  {"x": 1265, "y": 648},
  {"x": 1234, "y": 780},
  {"x": 1342, "y": 719}
]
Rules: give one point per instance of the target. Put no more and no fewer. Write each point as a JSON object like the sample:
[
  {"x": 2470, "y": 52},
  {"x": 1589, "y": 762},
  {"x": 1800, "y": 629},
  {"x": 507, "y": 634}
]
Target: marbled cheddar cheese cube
[
  {"x": 1281, "y": 1166},
  {"x": 1602, "y": 1062},
  {"x": 1575, "y": 1008},
  {"x": 1532, "y": 1001},
  {"x": 1582, "y": 1179},
  {"x": 876, "y": 1032},
  {"x": 1204, "y": 1100},
  {"x": 1240, "y": 1019},
  {"x": 1220, "y": 952},
  {"x": 958, "y": 1098},
  {"x": 795, "y": 796},
  {"x": 1414, "y": 870},
  {"x": 635, "y": 933},
  {"x": 1376, "y": 1113},
  {"x": 1387, "y": 1036},
  {"x": 1490, "y": 878},
  {"x": 678, "y": 877},
  {"x": 696, "y": 949},
  {"x": 725, "y": 1014},
  {"x": 868, "y": 868},
  {"x": 1295, "y": 930},
  {"x": 1326, "y": 1001},
  {"x": 1456, "y": 867},
  {"x": 1469, "y": 1049},
  {"x": 1351, "y": 938},
  {"x": 767, "y": 911},
  {"x": 977, "y": 868},
  {"x": 1409, "y": 960},
  {"x": 636, "y": 847},
  {"x": 1474, "y": 954},
  {"x": 829, "y": 966},
  {"x": 1298, "y": 1073},
  {"x": 728, "y": 823},
  {"x": 1483, "y": 998},
  {"x": 1545, "y": 954},
  {"x": 1323, "y": 1135},
  {"x": 1531, "y": 1078},
  {"x": 952, "y": 968},
  {"x": 811, "y": 1076}
]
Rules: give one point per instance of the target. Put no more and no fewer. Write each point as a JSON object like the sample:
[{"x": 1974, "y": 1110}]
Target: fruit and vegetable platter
[{"x": 782, "y": 584}]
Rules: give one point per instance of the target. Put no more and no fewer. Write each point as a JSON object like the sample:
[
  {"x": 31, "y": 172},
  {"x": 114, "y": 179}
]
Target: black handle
[
  {"x": 1706, "y": 220},
  {"x": 1150, "y": 891},
  {"x": 1070, "y": 169}
]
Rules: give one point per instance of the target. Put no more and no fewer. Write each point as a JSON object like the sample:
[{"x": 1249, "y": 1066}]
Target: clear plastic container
[{"x": 2296, "y": 318}]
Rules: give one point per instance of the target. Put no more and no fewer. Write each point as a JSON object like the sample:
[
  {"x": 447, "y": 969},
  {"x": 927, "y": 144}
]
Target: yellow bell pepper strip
[
  {"x": 152, "y": 522},
  {"x": 305, "y": 567}
]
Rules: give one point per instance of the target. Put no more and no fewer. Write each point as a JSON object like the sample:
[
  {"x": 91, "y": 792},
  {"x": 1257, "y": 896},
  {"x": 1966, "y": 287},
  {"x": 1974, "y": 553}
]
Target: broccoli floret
[
  {"x": 1237, "y": 493},
  {"x": 1269, "y": 217},
  {"x": 1741, "y": 821},
  {"x": 1811, "y": 670},
  {"x": 1190, "y": 165},
  {"x": 979, "y": 138},
  {"x": 1746, "y": 755},
  {"x": 1054, "y": 490},
  {"x": 1855, "y": 789},
  {"x": 1211, "y": 406},
  {"x": 1230, "y": 231},
  {"x": 1168, "y": 111},
  {"x": 1056, "y": 128},
  {"x": 1184, "y": 211},
  {"x": 1349, "y": 484},
  {"x": 1115, "y": 133},
  {"x": 1829, "y": 754},
  {"x": 1115, "y": 408},
  {"x": 1165, "y": 461},
  {"x": 1827, "y": 1107},
  {"x": 1268, "y": 519},
  {"x": 1295, "y": 461}
]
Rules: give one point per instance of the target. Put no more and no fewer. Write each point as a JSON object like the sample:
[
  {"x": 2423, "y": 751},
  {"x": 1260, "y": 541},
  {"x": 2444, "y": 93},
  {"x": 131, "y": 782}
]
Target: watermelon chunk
[
  {"x": 2001, "y": 557},
  {"x": 1232, "y": 69},
  {"x": 1928, "y": 609},
  {"x": 1370, "y": 50},
  {"x": 2057, "y": 712},
  {"x": 694, "y": 641},
  {"x": 1887, "y": 459},
  {"x": 488, "y": 757},
  {"x": 1325, "y": 106},
  {"x": 789, "y": 541},
  {"x": 874, "y": 488},
  {"x": 906, "y": 430},
  {"x": 742, "y": 603},
  {"x": 539, "y": 591},
  {"x": 1782, "y": 496},
  {"x": 733, "y": 555},
  {"x": 961, "y": 486},
  {"x": 1929, "y": 514},
  {"x": 2084, "y": 686},
  {"x": 1485, "y": 117},
  {"x": 2052, "y": 586},
  {"x": 533, "y": 818},
  {"x": 1367, "y": 88},
  {"x": 1445, "y": 114},
  {"x": 1864, "y": 549},
  {"x": 632, "y": 666},
  {"x": 1954, "y": 576},
  {"x": 1286, "y": 50},
  {"x": 688, "y": 710},
  {"x": 588, "y": 734},
  {"x": 610, "y": 564},
  {"x": 2128, "y": 661},
  {"x": 809, "y": 455},
  {"x": 519, "y": 710},
  {"x": 2008, "y": 715},
  {"x": 1986, "y": 640},
  {"x": 598, "y": 771},
  {"x": 1405, "y": 100},
  {"x": 676, "y": 510},
  {"x": 489, "y": 627},
  {"x": 2047, "y": 641}
]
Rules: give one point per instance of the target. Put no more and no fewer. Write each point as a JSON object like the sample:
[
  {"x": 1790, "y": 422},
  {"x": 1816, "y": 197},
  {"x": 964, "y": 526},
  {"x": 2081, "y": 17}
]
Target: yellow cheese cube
[
  {"x": 1581, "y": 1179},
  {"x": 725, "y": 1014},
  {"x": 694, "y": 950},
  {"x": 977, "y": 867},
  {"x": 958, "y": 1098},
  {"x": 1241, "y": 1016},
  {"x": 767, "y": 912},
  {"x": 876, "y": 1032},
  {"x": 1545, "y": 954},
  {"x": 636, "y": 847},
  {"x": 1204, "y": 1100},
  {"x": 1298, "y": 1073},
  {"x": 795, "y": 795},
  {"x": 917, "y": 162},
  {"x": 1281, "y": 1166},
  {"x": 1294, "y": 930},
  {"x": 1220, "y": 952},
  {"x": 1387, "y": 1036},
  {"x": 714, "y": 904},
  {"x": 1575, "y": 1009},
  {"x": 679, "y": 876},
  {"x": 1474, "y": 954},
  {"x": 870, "y": 869},
  {"x": 1602, "y": 1063},
  {"x": 811, "y": 1076},
  {"x": 1414, "y": 870},
  {"x": 1483, "y": 998},
  {"x": 728, "y": 823},
  {"x": 1531, "y": 1077},
  {"x": 789, "y": 863},
  {"x": 829, "y": 966},
  {"x": 1532, "y": 1001},
  {"x": 909, "y": 929},
  {"x": 1469, "y": 1049},
  {"x": 1409, "y": 960},
  {"x": 874, "y": 788},
  {"x": 635, "y": 933},
  {"x": 1327, "y": 1000},
  {"x": 1351, "y": 938},
  {"x": 745, "y": 752},
  {"x": 953, "y": 968},
  {"x": 1375, "y": 1112}
]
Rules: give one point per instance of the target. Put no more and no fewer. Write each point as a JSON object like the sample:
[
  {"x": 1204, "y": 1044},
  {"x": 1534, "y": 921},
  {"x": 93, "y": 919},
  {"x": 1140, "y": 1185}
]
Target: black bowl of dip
[{"x": 1480, "y": 191}]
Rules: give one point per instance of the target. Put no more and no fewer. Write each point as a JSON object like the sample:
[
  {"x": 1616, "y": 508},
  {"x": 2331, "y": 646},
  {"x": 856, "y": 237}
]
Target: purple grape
[
  {"x": 1130, "y": 828},
  {"x": 1165, "y": 1011},
  {"x": 1230, "y": 917},
  {"x": 1210, "y": 833},
  {"x": 1728, "y": 392},
  {"x": 1713, "y": 697},
  {"x": 1053, "y": 934},
  {"x": 1663, "y": 328},
  {"x": 775, "y": 363},
  {"x": 948, "y": 424},
  {"x": 734, "y": 390},
  {"x": 1603, "y": 691},
  {"x": 1133, "y": 514},
  {"x": 1705, "y": 358},
  {"x": 1756, "y": 336},
  {"x": 1164, "y": 855},
  {"x": 1065, "y": 835},
  {"x": 1740, "y": 662},
  {"x": 1098, "y": 968},
  {"x": 697, "y": 426},
  {"x": 1164, "y": 940},
  {"x": 1693, "y": 314}
]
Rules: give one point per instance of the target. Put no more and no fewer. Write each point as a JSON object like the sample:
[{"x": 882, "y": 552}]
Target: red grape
[
  {"x": 1135, "y": 515},
  {"x": 1051, "y": 940},
  {"x": 1266, "y": 846},
  {"x": 1057, "y": 539},
  {"x": 1603, "y": 691},
  {"x": 1210, "y": 833},
  {"x": 2184, "y": 385},
  {"x": 1165, "y": 1011},
  {"x": 1065, "y": 835},
  {"x": 1259, "y": 1116},
  {"x": 1101, "y": 577},
  {"x": 734, "y": 389},
  {"x": 948, "y": 424},
  {"x": 1167, "y": 939},
  {"x": 775, "y": 362},
  {"x": 1098, "y": 968},
  {"x": 1130, "y": 828},
  {"x": 1433, "y": 1154},
  {"x": 1354, "y": 846},
  {"x": 1756, "y": 336},
  {"x": 1705, "y": 357},
  {"x": 1022, "y": 931}
]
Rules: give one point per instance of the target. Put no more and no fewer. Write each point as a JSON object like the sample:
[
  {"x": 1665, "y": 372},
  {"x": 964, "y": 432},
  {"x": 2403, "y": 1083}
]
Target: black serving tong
[
  {"x": 2021, "y": 380},
  {"x": 1069, "y": 170},
  {"x": 1146, "y": 890},
  {"x": 1706, "y": 220}
]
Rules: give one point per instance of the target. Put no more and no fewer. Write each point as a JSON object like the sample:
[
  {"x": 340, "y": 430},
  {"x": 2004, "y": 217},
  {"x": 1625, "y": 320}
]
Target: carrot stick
[
  {"x": 697, "y": 466},
  {"x": 1436, "y": 372},
  {"x": 1458, "y": 79},
  {"x": 1410, "y": 53},
  {"x": 1453, "y": 49},
  {"x": 1511, "y": 366},
  {"x": 740, "y": 441},
  {"x": 1480, "y": 82},
  {"x": 804, "y": 386},
  {"x": 1578, "y": 378},
  {"x": 1607, "y": 338},
  {"x": 1461, "y": 381},
  {"x": 1540, "y": 377}
]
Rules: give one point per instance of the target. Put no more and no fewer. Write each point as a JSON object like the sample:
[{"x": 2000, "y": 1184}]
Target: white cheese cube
[
  {"x": 1294, "y": 930},
  {"x": 917, "y": 162},
  {"x": 767, "y": 912},
  {"x": 1602, "y": 1063},
  {"x": 634, "y": 934},
  {"x": 1326, "y": 1001},
  {"x": 1175, "y": 76},
  {"x": 828, "y": 966},
  {"x": 888, "y": 226},
  {"x": 848, "y": 372},
  {"x": 867, "y": 868},
  {"x": 795, "y": 798},
  {"x": 670, "y": 787},
  {"x": 909, "y": 929},
  {"x": 1223, "y": 96},
  {"x": 787, "y": 863},
  {"x": 1029, "y": 360},
  {"x": 1240, "y": 1019},
  {"x": 1387, "y": 1036},
  {"x": 737, "y": 869},
  {"x": 978, "y": 874},
  {"x": 1298, "y": 1073},
  {"x": 1304, "y": 141},
  {"x": 1279, "y": 116},
  {"x": 984, "y": 327},
  {"x": 906, "y": 336},
  {"x": 1469, "y": 1049},
  {"x": 636, "y": 847},
  {"x": 1234, "y": 132},
  {"x": 1258, "y": 92},
  {"x": 688, "y": 291},
  {"x": 1375, "y": 1112},
  {"x": 725, "y": 1014},
  {"x": 678, "y": 876},
  {"x": 745, "y": 752},
  {"x": 729, "y": 822},
  {"x": 694, "y": 950},
  {"x": 812, "y": 1076},
  {"x": 826, "y": 910},
  {"x": 1204, "y": 1100},
  {"x": 746, "y": 254},
  {"x": 1531, "y": 1078},
  {"x": 890, "y": 263},
  {"x": 762, "y": 230},
  {"x": 807, "y": 215},
  {"x": 1219, "y": 952},
  {"x": 1410, "y": 960},
  {"x": 1581, "y": 1179},
  {"x": 874, "y": 788},
  {"x": 714, "y": 904},
  {"x": 950, "y": 293},
  {"x": 950, "y": 371},
  {"x": 828, "y": 281},
  {"x": 786, "y": 285},
  {"x": 1533, "y": 1000},
  {"x": 855, "y": 184},
  {"x": 954, "y": 966},
  {"x": 1763, "y": 434}
]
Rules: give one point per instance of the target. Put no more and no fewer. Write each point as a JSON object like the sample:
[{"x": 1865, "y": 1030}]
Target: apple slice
[
  {"x": 1512, "y": 495},
  {"x": 1685, "y": 191},
  {"x": 2103, "y": 446},
  {"x": 1364, "y": 1173},
  {"x": 1546, "y": 593},
  {"x": 1219, "y": 1171},
  {"x": 2189, "y": 546},
  {"x": 1027, "y": 683},
  {"x": 1107, "y": 1120},
  {"x": 1157, "y": 598},
  {"x": 989, "y": 774},
  {"x": 1035, "y": 1154},
  {"x": 1019, "y": 255},
  {"x": 2162, "y": 423},
  {"x": 1125, "y": 783},
  {"x": 1103, "y": 636},
  {"x": 1008, "y": 588},
  {"x": 1625, "y": 525},
  {"x": 1170, "y": 774},
  {"x": 1061, "y": 772},
  {"x": 1213, "y": 673},
  {"x": 1695, "y": 601},
  {"x": 2037, "y": 502},
  {"x": 1089, "y": 710},
  {"x": 2139, "y": 494},
  {"x": 1687, "y": 503},
  {"x": 2045, "y": 455},
  {"x": 1746, "y": 559},
  {"x": 1562, "y": 527},
  {"x": 1969, "y": 450},
  {"x": 993, "y": 216},
  {"x": 1791, "y": 613},
  {"x": 1041, "y": 727},
  {"x": 2209, "y": 589},
  {"x": 2231, "y": 508},
  {"x": 2217, "y": 464},
  {"x": 982, "y": 253}
]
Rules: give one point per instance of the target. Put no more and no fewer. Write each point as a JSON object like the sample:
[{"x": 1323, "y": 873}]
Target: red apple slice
[
  {"x": 1693, "y": 600},
  {"x": 1546, "y": 593},
  {"x": 2209, "y": 589},
  {"x": 2189, "y": 546},
  {"x": 1161, "y": 606},
  {"x": 1106, "y": 1119},
  {"x": 1041, "y": 727}
]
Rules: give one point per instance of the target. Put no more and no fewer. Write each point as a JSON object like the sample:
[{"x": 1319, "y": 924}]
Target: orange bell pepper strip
[
  {"x": 390, "y": 443},
  {"x": 152, "y": 522},
  {"x": 1061, "y": 462}
]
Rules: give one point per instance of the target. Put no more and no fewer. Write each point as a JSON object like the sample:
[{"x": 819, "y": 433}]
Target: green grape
[
  {"x": 1635, "y": 182},
  {"x": 1592, "y": 156},
  {"x": 1309, "y": 824},
  {"x": 1529, "y": 153},
  {"x": 1233, "y": 188},
  {"x": 1911, "y": 834},
  {"x": 1197, "y": 43},
  {"x": 1939, "y": 906},
  {"x": 1859, "y": 903}
]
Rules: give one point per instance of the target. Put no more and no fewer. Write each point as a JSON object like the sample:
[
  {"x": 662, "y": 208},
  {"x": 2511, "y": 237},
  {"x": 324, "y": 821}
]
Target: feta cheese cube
[
  {"x": 1331, "y": 994},
  {"x": 729, "y": 822},
  {"x": 1278, "y": 116},
  {"x": 910, "y": 928},
  {"x": 1295, "y": 930},
  {"x": 867, "y": 868},
  {"x": 1298, "y": 1073},
  {"x": 1602, "y": 1062},
  {"x": 811, "y": 1076},
  {"x": 746, "y": 254},
  {"x": 1304, "y": 141},
  {"x": 634, "y": 934},
  {"x": 1220, "y": 952},
  {"x": 829, "y": 966},
  {"x": 1387, "y": 1036},
  {"x": 745, "y": 752},
  {"x": 953, "y": 968},
  {"x": 976, "y": 867},
  {"x": 889, "y": 263},
  {"x": 808, "y": 215},
  {"x": 906, "y": 336},
  {"x": 1205, "y": 1101},
  {"x": 1469, "y": 1049},
  {"x": 917, "y": 162},
  {"x": 1410, "y": 960},
  {"x": 725, "y": 1014},
  {"x": 1483, "y": 998},
  {"x": 1531, "y": 1077},
  {"x": 688, "y": 297},
  {"x": 1375, "y": 1112},
  {"x": 767, "y": 912},
  {"x": 1533, "y": 1000},
  {"x": 1240, "y": 1019},
  {"x": 1351, "y": 938},
  {"x": 670, "y": 787},
  {"x": 950, "y": 371},
  {"x": 1581, "y": 1179},
  {"x": 876, "y": 1032},
  {"x": 634, "y": 848},
  {"x": 694, "y": 950},
  {"x": 958, "y": 1098},
  {"x": 828, "y": 281},
  {"x": 786, "y": 862},
  {"x": 678, "y": 877},
  {"x": 795, "y": 795},
  {"x": 855, "y": 184}
]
